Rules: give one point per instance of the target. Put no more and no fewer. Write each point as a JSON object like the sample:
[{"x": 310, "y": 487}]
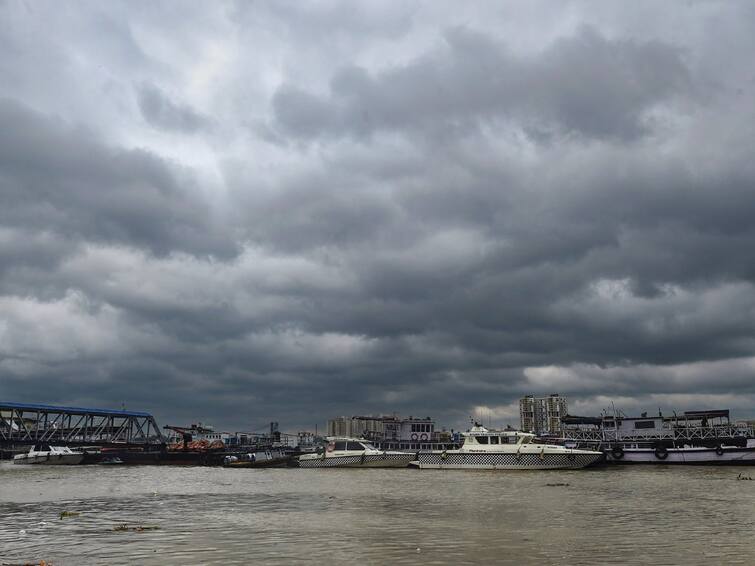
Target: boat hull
[
  {"x": 506, "y": 461},
  {"x": 50, "y": 460},
  {"x": 388, "y": 460},
  {"x": 726, "y": 456},
  {"x": 272, "y": 463}
]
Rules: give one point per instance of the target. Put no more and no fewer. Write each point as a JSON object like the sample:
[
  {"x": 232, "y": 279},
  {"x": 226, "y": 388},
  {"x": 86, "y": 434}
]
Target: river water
[{"x": 627, "y": 515}]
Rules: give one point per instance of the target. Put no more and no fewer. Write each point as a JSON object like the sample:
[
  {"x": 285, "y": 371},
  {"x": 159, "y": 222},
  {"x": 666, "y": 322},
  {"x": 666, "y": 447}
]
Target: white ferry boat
[
  {"x": 694, "y": 437},
  {"x": 721, "y": 454},
  {"x": 484, "y": 449},
  {"x": 355, "y": 453},
  {"x": 49, "y": 455}
]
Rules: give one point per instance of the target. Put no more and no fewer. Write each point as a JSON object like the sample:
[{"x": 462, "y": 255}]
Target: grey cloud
[
  {"x": 446, "y": 260},
  {"x": 162, "y": 112},
  {"x": 585, "y": 84},
  {"x": 333, "y": 20},
  {"x": 64, "y": 180}
]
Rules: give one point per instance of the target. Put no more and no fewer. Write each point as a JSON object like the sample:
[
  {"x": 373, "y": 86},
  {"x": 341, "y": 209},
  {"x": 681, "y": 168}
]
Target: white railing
[{"x": 677, "y": 432}]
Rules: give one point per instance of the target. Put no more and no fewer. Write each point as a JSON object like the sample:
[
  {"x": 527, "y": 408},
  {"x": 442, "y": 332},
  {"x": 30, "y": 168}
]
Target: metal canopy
[{"x": 707, "y": 414}]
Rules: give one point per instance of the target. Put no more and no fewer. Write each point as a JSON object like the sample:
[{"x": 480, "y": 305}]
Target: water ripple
[{"x": 218, "y": 516}]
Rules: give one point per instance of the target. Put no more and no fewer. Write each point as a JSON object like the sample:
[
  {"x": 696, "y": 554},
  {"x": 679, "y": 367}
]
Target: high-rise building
[{"x": 542, "y": 415}]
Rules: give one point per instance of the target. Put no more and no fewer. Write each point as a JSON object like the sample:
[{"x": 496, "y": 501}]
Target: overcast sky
[{"x": 255, "y": 211}]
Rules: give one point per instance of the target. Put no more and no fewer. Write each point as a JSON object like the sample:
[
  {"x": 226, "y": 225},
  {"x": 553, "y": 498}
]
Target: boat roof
[
  {"x": 575, "y": 419},
  {"x": 707, "y": 414},
  {"x": 712, "y": 414},
  {"x": 479, "y": 430}
]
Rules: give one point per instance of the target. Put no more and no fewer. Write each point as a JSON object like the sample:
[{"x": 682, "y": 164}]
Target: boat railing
[{"x": 675, "y": 433}]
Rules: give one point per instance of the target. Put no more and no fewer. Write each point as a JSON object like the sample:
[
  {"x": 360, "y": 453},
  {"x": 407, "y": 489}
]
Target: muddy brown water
[{"x": 631, "y": 515}]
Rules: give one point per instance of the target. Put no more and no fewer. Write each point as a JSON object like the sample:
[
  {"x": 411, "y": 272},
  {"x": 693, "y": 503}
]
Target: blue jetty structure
[{"x": 24, "y": 423}]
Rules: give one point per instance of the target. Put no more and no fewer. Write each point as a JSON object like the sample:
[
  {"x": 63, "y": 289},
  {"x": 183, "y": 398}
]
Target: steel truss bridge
[{"x": 22, "y": 423}]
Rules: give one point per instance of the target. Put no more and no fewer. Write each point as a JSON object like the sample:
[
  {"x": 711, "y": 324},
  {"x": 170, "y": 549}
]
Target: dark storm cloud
[
  {"x": 162, "y": 112},
  {"x": 585, "y": 84},
  {"x": 63, "y": 180},
  {"x": 446, "y": 211}
]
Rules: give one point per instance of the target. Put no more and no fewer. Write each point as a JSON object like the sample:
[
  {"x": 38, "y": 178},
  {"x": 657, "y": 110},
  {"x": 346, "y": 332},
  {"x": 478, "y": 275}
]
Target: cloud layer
[{"x": 288, "y": 213}]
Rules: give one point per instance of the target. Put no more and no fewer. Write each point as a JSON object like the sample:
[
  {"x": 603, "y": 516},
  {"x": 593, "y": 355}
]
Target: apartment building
[{"x": 542, "y": 415}]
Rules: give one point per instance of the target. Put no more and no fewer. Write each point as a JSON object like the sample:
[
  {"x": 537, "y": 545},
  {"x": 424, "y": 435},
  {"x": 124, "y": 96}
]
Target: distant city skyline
[{"x": 239, "y": 213}]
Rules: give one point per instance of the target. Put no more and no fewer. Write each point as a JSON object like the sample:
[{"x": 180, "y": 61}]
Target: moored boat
[
  {"x": 694, "y": 437},
  {"x": 485, "y": 449},
  {"x": 723, "y": 453},
  {"x": 259, "y": 459},
  {"x": 355, "y": 453},
  {"x": 49, "y": 455}
]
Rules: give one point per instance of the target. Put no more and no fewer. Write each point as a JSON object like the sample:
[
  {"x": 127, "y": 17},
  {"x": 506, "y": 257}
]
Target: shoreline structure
[{"x": 133, "y": 437}]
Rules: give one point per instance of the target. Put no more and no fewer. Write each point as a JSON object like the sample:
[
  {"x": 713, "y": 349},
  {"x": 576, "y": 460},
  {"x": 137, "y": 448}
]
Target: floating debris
[
  {"x": 136, "y": 528},
  {"x": 741, "y": 477},
  {"x": 64, "y": 514},
  {"x": 557, "y": 484}
]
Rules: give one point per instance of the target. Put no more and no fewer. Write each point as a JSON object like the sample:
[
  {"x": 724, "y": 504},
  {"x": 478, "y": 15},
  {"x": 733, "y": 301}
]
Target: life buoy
[
  {"x": 423, "y": 436},
  {"x": 414, "y": 436},
  {"x": 617, "y": 452},
  {"x": 330, "y": 447},
  {"x": 661, "y": 452},
  {"x": 720, "y": 450},
  {"x": 443, "y": 455}
]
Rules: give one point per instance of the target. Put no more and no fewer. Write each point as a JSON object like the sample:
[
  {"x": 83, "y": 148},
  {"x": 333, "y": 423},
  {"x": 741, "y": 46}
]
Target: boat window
[
  {"x": 340, "y": 445},
  {"x": 513, "y": 439},
  {"x": 368, "y": 446},
  {"x": 354, "y": 446},
  {"x": 493, "y": 440},
  {"x": 482, "y": 439}
]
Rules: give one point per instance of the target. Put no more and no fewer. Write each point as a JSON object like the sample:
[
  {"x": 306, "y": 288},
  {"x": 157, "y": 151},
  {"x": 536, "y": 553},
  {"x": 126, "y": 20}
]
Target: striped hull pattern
[
  {"x": 395, "y": 460},
  {"x": 506, "y": 461}
]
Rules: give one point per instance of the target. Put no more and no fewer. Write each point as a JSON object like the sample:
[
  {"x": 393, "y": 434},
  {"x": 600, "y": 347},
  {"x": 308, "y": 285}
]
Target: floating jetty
[{"x": 694, "y": 437}]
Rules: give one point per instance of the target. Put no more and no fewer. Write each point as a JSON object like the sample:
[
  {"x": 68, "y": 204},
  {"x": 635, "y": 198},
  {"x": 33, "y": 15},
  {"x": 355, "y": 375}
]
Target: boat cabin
[
  {"x": 348, "y": 444},
  {"x": 480, "y": 436}
]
